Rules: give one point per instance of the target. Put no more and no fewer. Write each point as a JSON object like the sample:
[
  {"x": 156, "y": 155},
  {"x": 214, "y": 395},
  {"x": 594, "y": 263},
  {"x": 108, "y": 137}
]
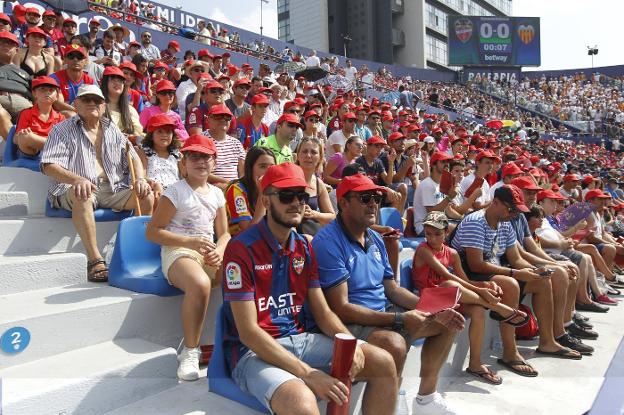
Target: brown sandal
[{"x": 97, "y": 275}]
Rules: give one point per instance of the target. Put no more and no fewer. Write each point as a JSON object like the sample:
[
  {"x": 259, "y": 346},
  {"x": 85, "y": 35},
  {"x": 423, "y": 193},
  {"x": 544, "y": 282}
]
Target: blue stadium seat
[
  {"x": 10, "y": 158},
  {"x": 389, "y": 216},
  {"x": 101, "y": 215},
  {"x": 219, "y": 380},
  {"x": 135, "y": 264},
  {"x": 405, "y": 274}
]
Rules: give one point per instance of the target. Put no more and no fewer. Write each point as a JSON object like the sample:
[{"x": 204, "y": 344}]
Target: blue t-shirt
[
  {"x": 364, "y": 269},
  {"x": 521, "y": 227},
  {"x": 474, "y": 232},
  {"x": 373, "y": 171}
]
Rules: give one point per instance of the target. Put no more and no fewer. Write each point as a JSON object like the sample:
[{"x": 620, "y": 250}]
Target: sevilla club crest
[{"x": 463, "y": 30}]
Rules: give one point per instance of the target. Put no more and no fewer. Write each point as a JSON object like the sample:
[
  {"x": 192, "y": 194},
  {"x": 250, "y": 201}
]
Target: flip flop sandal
[
  {"x": 498, "y": 317},
  {"x": 487, "y": 375},
  {"x": 510, "y": 365},
  {"x": 97, "y": 275},
  {"x": 565, "y": 353}
]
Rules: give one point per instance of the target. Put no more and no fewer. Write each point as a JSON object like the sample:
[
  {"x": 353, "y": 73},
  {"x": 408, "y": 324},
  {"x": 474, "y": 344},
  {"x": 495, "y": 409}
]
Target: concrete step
[
  {"x": 34, "y": 272},
  {"x": 89, "y": 380},
  {"x": 13, "y": 203},
  {"x": 43, "y": 235},
  {"x": 14, "y": 179},
  {"x": 61, "y": 319}
]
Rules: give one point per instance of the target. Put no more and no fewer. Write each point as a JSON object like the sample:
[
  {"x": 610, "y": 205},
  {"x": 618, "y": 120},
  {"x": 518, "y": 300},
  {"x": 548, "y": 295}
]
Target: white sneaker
[
  {"x": 188, "y": 368},
  {"x": 438, "y": 406}
]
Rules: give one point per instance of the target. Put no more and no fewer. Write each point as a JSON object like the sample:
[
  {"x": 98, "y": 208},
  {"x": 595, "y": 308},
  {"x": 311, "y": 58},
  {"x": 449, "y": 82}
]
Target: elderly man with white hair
[{"x": 85, "y": 156}]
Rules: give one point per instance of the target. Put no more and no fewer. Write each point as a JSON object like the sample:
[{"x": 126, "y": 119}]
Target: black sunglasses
[
  {"x": 365, "y": 198},
  {"x": 216, "y": 91},
  {"x": 75, "y": 56},
  {"x": 286, "y": 197},
  {"x": 92, "y": 99}
]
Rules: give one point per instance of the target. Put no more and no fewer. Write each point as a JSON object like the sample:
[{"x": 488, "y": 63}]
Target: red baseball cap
[
  {"x": 396, "y": 136},
  {"x": 200, "y": 144},
  {"x": 310, "y": 113},
  {"x": 510, "y": 193},
  {"x": 220, "y": 109},
  {"x": 349, "y": 116},
  {"x": 159, "y": 121},
  {"x": 160, "y": 64},
  {"x": 260, "y": 99},
  {"x": 487, "y": 154},
  {"x": 175, "y": 45},
  {"x": 214, "y": 84},
  {"x": 94, "y": 21},
  {"x": 49, "y": 13},
  {"x": 5, "y": 18},
  {"x": 75, "y": 48},
  {"x": 9, "y": 36},
  {"x": 44, "y": 80},
  {"x": 113, "y": 71},
  {"x": 549, "y": 194},
  {"x": 375, "y": 140},
  {"x": 356, "y": 183},
  {"x": 571, "y": 178},
  {"x": 511, "y": 169},
  {"x": 165, "y": 85},
  {"x": 131, "y": 66},
  {"x": 588, "y": 179},
  {"x": 525, "y": 183},
  {"x": 289, "y": 118},
  {"x": 69, "y": 20},
  {"x": 33, "y": 10},
  {"x": 242, "y": 81},
  {"x": 36, "y": 31},
  {"x": 596, "y": 193},
  {"x": 233, "y": 70},
  {"x": 439, "y": 156},
  {"x": 283, "y": 176}
]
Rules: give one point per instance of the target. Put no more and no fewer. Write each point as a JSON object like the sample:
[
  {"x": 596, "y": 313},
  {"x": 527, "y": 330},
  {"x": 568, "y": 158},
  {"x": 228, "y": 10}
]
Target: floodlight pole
[{"x": 262, "y": 2}]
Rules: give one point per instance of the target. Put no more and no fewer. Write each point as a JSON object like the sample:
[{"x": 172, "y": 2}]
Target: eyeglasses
[
  {"x": 365, "y": 198},
  {"x": 92, "y": 99},
  {"x": 74, "y": 56},
  {"x": 222, "y": 117},
  {"x": 199, "y": 70},
  {"x": 216, "y": 91},
  {"x": 314, "y": 120},
  {"x": 286, "y": 197},
  {"x": 193, "y": 156},
  {"x": 512, "y": 210},
  {"x": 292, "y": 125}
]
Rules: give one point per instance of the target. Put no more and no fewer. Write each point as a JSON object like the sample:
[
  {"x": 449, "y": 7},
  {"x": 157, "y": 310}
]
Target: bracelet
[
  {"x": 141, "y": 178},
  {"x": 511, "y": 272}
]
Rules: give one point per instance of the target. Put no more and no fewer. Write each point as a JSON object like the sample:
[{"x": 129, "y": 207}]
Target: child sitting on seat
[
  {"x": 436, "y": 264},
  {"x": 185, "y": 222},
  {"x": 160, "y": 154},
  {"x": 34, "y": 123}
]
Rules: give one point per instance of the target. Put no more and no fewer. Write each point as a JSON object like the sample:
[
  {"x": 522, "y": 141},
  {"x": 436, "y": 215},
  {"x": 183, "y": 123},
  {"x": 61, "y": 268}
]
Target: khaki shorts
[
  {"x": 103, "y": 197},
  {"x": 14, "y": 104},
  {"x": 169, "y": 254}
]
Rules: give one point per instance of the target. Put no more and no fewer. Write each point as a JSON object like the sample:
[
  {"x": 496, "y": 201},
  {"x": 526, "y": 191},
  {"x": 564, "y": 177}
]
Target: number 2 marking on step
[{"x": 15, "y": 340}]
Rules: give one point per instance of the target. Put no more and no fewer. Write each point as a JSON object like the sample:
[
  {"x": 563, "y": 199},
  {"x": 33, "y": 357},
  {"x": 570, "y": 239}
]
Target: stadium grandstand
[{"x": 197, "y": 219}]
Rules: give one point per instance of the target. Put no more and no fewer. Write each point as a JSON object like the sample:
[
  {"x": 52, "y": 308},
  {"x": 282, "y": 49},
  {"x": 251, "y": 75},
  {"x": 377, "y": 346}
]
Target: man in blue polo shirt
[
  {"x": 269, "y": 272},
  {"x": 359, "y": 284}
]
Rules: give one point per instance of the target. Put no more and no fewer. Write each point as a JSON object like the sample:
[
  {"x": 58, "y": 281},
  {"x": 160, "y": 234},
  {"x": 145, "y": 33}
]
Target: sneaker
[
  {"x": 581, "y": 332},
  {"x": 575, "y": 344},
  {"x": 582, "y": 323},
  {"x": 606, "y": 300},
  {"x": 437, "y": 406},
  {"x": 189, "y": 364},
  {"x": 578, "y": 316},
  {"x": 593, "y": 306}
]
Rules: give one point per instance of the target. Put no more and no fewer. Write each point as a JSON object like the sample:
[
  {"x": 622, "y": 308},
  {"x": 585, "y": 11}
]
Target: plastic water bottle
[{"x": 402, "y": 408}]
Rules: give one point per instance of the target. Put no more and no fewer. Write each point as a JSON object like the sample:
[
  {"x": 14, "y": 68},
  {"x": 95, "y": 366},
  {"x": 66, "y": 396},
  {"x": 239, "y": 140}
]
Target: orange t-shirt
[{"x": 30, "y": 118}]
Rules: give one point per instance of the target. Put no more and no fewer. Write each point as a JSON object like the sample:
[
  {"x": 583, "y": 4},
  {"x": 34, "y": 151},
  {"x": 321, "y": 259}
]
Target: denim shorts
[{"x": 261, "y": 379}]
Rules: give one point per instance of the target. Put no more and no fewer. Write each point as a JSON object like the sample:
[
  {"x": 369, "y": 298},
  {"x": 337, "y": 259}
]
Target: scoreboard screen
[{"x": 493, "y": 41}]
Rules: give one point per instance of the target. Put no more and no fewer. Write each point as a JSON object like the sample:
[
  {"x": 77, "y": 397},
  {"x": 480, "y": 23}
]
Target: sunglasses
[
  {"x": 216, "y": 91},
  {"x": 365, "y": 198},
  {"x": 314, "y": 120},
  {"x": 222, "y": 117},
  {"x": 92, "y": 99},
  {"x": 292, "y": 125},
  {"x": 286, "y": 197},
  {"x": 193, "y": 156},
  {"x": 198, "y": 70},
  {"x": 146, "y": 37},
  {"x": 75, "y": 56},
  {"x": 167, "y": 93}
]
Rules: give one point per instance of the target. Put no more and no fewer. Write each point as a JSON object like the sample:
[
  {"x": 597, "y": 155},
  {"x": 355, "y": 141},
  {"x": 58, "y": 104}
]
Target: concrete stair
[
  {"x": 35, "y": 184},
  {"x": 13, "y": 203},
  {"x": 89, "y": 380}
]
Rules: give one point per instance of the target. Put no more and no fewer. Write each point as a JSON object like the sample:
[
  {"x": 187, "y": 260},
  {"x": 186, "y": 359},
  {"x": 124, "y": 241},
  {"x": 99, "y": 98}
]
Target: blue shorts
[
  {"x": 260, "y": 379},
  {"x": 600, "y": 247}
]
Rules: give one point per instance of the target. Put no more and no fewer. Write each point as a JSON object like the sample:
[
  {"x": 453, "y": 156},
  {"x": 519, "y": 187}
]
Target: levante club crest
[
  {"x": 463, "y": 30},
  {"x": 298, "y": 263}
]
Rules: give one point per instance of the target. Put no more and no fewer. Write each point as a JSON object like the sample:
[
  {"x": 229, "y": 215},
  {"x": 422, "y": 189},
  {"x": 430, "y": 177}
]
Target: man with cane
[
  {"x": 86, "y": 158},
  {"x": 270, "y": 271}
]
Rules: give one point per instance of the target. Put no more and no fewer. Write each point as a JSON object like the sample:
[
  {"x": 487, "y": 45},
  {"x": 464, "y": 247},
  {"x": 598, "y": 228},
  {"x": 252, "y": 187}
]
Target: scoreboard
[{"x": 493, "y": 41}]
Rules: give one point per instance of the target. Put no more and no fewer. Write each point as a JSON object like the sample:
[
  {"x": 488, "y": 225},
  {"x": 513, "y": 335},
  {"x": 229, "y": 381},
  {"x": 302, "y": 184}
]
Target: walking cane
[{"x": 137, "y": 209}]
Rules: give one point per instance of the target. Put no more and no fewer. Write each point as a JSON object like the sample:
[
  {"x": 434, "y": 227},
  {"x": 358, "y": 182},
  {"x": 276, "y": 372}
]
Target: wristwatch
[{"x": 398, "y": 321}]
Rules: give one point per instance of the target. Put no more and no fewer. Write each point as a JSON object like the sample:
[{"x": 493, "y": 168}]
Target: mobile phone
[{"x": 546, "y": 272}]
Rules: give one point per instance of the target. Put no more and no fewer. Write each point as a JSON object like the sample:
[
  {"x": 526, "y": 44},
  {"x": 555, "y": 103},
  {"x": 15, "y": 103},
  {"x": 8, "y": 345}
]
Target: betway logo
[{"x": 283, "y": 303}]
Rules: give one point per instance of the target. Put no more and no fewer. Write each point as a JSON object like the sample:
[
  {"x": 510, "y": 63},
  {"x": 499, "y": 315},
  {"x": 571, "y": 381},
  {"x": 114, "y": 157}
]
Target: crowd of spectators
[{"x": 271, "y": 186}]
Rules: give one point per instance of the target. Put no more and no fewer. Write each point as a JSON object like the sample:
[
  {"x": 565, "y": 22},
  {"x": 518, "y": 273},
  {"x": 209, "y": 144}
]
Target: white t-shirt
[
  {"x": 313, "y": 61},
  {"x": 485, "y": 188},
  {"x": 574, "y": 193},
  {"x": 494, "y": 187},
  {"x": 184, "y": 89},
  {"x": 195, "y": 212},
  {"x": 547, "y": 232},
  {"x": 427, "y": 194},
  {"x": 350, "y": 73},
  {"x": 337, "y": 137}
]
